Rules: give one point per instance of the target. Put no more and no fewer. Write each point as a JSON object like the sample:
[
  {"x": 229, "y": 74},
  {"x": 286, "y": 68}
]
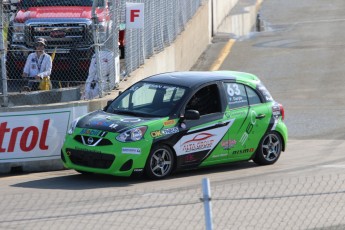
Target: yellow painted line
[{"x": 223, "y": 54}]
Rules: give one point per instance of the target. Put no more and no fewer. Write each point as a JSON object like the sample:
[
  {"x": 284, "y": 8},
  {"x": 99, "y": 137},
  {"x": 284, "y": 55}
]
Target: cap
[{"x": 41, "y": 40}]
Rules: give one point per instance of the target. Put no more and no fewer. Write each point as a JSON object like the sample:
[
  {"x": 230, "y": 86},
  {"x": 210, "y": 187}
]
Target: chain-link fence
[
  {"x": 85, "y": 40},
  {"x": 164, "y": 20},
  {"x": 250, "y": 203}
]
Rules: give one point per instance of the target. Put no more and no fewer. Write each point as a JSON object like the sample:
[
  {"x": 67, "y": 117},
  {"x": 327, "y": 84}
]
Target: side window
[
  {"x": 236, "y": 95},
  {"x": 206, "y": 100},
  {"x": 253, "y": 97}
]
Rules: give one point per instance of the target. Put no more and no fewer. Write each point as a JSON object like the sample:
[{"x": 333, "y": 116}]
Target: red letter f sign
[{"x": 134, "y": 15}]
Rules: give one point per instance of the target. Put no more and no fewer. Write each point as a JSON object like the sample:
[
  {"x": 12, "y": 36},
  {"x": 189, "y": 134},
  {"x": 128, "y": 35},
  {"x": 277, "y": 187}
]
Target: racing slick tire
[
  {"x": 160, "y": 162},
  {"x": 269, "y": 149}
]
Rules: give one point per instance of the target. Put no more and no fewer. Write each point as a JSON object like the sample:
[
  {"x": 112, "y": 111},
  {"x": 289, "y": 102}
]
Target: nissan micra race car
[{"x": 176, "y": 121}]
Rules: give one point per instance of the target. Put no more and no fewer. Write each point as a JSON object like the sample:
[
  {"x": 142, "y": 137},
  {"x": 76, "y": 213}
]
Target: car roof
[{"x": 193, "y": 79}]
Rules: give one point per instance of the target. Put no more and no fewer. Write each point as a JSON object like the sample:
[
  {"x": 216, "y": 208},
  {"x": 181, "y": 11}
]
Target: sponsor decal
[
  {"x": 249, "y": 128},
  {"x": 113, "y": 126},
  {"x": 220, "y": 155},
  {"x": 243, "y": 151},
  {"x": 131, "y": 150},
  {"x": 237, "y": 100},
  {"x": 276, "y": 111},
  {"x": 265, "y": 92},
  {"x": 198, "y": 142},
  {"x": 24, "y": 138},
  {"x": 130, "y": 120},
  {"x": 35, "y": 135},
  {"x": 237, "y": 114},
  {"x": 228, "y": 144},
  {"x": 168, "y": 131},
  {"x": 99, "y": 123},
  {"x": 90, "y": 132},
  {"x": 138, "y": 170},
  {"x": 203, "y": 140},
  {"x": 169, "y": 122},
  {"x": 154, "y": 86},
  {"x": 235, "y": 94},
  {"x": 189, "y": 158},
  {"x": 156, "y": 134}
]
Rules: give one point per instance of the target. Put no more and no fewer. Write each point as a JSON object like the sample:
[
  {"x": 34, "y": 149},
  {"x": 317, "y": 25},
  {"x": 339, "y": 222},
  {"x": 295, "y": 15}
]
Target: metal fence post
[
  {"x": 3, "y": 56},
  {"x": 97, "y": 46},
  {"x": 206, "y": 190}
]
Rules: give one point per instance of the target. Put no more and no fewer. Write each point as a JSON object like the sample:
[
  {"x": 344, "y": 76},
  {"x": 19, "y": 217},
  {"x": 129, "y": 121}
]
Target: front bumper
[{"x": 109, "y": 160}]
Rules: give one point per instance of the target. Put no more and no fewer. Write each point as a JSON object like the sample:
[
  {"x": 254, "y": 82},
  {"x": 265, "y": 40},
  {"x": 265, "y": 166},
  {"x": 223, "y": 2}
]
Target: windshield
[
  {"x": 35, "y": 3},
  {"x": 148, "y": 99}
]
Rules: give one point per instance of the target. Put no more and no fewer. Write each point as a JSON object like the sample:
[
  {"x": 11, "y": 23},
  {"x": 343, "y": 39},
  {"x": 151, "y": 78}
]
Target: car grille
[
  {"x": 90, "y": 159},
  {"x": 92, "y": 141},
  {"x": 59, "y": 34}
]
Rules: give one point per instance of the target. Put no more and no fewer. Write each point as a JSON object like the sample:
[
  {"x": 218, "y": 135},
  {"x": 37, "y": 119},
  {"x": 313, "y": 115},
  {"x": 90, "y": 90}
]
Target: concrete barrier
[
  {"x": 43, "y": 97},
  {"x": 31, "y": 136}
]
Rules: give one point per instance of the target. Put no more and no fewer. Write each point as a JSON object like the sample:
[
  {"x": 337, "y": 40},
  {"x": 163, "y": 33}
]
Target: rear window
[{"x": 264, "y": 92}]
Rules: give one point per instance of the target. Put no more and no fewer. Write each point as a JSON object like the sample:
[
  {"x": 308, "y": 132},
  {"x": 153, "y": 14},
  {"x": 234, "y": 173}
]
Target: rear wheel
[
  {"x": 269, "y": 149},
  {"x": 160, "y": 162}
]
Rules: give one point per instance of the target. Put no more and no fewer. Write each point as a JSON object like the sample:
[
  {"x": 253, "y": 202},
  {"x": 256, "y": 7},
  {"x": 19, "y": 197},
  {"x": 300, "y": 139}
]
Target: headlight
[
  {"x": 72, "y": 126},
  {"x": 18, "y": 32},
  {"x": 131, "y": 135}
]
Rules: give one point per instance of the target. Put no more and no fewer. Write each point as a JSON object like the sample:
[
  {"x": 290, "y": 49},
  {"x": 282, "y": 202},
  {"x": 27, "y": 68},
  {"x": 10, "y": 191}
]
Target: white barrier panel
[{"x": 35, "y": 135}]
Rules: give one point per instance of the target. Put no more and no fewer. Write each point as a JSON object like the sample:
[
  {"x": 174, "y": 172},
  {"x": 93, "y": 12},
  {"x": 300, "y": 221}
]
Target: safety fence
[
  {"x": 250, "y": 203},
  {"x": 87, "y": 40}
]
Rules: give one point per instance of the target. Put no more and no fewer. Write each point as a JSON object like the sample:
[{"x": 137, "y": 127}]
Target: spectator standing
[
  {"x": 93, "y": 84},
  {"x": 38, "y": 65}
]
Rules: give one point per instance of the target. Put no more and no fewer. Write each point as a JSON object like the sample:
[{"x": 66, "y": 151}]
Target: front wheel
[
  {"x": 269, "y": 149},
  {"x": 160, "y": 162}
]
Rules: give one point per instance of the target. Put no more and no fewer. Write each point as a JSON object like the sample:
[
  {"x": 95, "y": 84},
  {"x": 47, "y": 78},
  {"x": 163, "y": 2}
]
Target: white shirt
[
  {"x": 106, "y": 60},
  {"x": 41, "y": 66}
]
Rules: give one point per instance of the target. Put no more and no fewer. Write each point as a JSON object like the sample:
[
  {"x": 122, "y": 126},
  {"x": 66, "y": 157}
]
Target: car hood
[{"x": 112, "y": 122}]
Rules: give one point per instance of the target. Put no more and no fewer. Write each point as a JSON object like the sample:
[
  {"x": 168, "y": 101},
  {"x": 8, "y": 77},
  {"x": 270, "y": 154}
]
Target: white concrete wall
[{"x": 221, "y": 9}]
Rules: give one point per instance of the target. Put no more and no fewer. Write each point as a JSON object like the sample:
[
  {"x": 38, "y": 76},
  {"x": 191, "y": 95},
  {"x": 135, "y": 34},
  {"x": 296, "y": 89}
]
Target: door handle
[{"x": 260, "y": 116}]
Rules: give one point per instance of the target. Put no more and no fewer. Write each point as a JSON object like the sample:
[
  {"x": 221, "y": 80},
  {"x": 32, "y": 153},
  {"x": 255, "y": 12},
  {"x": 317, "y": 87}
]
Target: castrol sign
[{"x": 32, "y": 136}]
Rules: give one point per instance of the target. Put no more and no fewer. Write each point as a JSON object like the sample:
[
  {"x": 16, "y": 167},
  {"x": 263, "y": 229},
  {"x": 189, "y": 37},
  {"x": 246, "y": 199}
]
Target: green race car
[{"x": 179, "y": 120}]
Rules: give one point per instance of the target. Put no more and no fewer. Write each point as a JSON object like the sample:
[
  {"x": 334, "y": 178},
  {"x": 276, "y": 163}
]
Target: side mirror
[{"x": 191, "y": 114}]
